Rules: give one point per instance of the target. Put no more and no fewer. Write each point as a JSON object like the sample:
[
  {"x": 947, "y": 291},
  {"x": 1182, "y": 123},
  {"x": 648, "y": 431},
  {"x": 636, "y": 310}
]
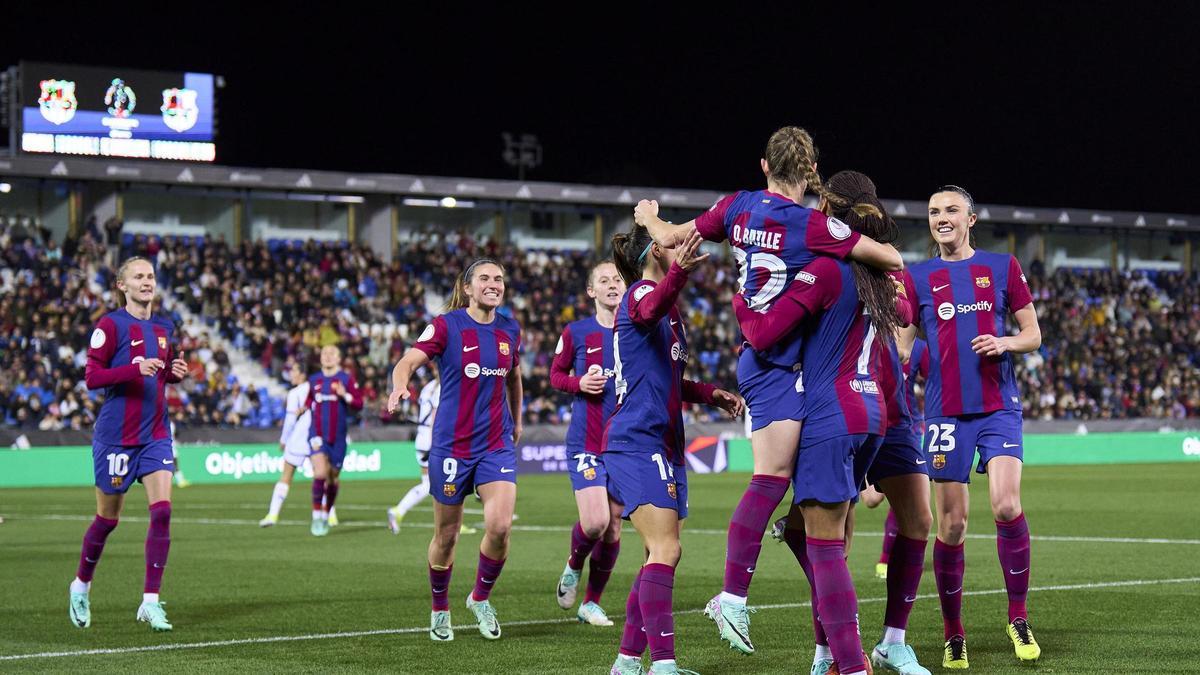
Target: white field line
[
  {"x": 185, "y": 520},
  {"x": 536, "y": 622}
]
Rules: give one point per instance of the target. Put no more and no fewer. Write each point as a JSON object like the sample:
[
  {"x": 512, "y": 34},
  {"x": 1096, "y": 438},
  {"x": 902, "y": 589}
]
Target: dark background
[{"x": 1042, "y": 104}]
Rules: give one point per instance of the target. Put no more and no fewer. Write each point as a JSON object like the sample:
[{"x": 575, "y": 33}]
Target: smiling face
[
  {"x": 485, "y": 288},
  {"x": 606, "y": 286},
  {"x": 950, "y": 219},
  {"x": 331, "y": 357},
  {"x": 137, "y": 282}
]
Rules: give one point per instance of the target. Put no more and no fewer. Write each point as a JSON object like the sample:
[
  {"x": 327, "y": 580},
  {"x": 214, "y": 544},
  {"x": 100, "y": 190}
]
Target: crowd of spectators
[{"x": 1115, "y": 345}]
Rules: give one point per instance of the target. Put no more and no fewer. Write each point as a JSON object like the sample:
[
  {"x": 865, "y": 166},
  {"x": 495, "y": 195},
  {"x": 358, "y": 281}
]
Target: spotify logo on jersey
[
  {"x": 471, "y": 370},
  {"x": 946, "y": 311}
]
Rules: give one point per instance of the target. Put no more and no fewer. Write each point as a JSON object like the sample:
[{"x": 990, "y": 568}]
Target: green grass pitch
[{"x": 273, "y": 597}]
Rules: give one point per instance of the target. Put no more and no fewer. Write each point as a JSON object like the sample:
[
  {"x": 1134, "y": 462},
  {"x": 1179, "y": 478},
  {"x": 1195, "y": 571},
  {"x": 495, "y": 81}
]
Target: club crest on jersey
[
  {"x": 671, "y": 491},
  {"x": 449, "y": 489},
  {"x": 589, "y": 474},
  {"x": 117, "y": 481},
  {"x": 983, "y": 282},
  {"x": 939, "y": 461},
  {"x": 504, "y": 348},
  {"x": 162, "y": 343}
]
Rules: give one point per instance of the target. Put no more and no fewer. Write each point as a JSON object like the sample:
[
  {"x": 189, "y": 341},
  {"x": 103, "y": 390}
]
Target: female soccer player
[
  {"x": 972, "y": 404},
  {"x": 477, "y": 351},
  {"x": 773, "y": 236},
  {"x": 644, "y": 439},
  {"x": 293, "y": 442},
  {"x": 332, "y": 394},
  {"x": 127, "y": 357},
  {"x": 850, "y": 383},
  {"x": 586, "y": 346},
  {"x": 427, "y": 402}
]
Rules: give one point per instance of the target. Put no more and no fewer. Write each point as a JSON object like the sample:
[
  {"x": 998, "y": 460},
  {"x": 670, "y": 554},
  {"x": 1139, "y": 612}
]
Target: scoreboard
[{"x": 116, "y": 112}]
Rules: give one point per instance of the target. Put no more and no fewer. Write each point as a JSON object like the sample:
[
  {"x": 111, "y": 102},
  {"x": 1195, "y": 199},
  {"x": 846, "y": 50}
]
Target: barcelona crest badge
[
  {"x": 983, "y": 282},
  {"x": 671, "y": 491},
  {"x": 504, "y": 348},
  {"x": 162, "y": 343},
  {"x": 939, "y": 461},
  {"x": 118, "y": 481},
  {"x": 589, "y": 473},
  {"x": 449, "y": 489}
]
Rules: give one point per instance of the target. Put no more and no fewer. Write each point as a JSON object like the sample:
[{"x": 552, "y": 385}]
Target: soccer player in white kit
[
  {"x": 427, "y": 402},
  {"x": 293, "y": 442}
]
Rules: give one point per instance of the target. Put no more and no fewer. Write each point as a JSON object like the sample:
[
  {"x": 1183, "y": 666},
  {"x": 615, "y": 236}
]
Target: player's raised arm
[{"x": 401, "y": 374}]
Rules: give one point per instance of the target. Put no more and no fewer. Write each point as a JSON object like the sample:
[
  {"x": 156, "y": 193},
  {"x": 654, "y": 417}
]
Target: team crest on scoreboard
[
  {"x": 179, "y": 109},
  {"x": 449, "y": 489},
  {"x": 589, "y": 474},
  {"x": 162, "y": 343},
  {"x": 939, "y": 461},
  {"x": 57, "y": 102},
  {"x": 117, "y": 481},
  {"x": 983, "y": 282},
  {"x": 504, "y": 348},
  {"x": 671, "y": 491}
]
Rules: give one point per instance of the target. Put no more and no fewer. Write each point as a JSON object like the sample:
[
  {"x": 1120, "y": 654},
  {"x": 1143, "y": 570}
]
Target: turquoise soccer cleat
[{"x": 155, "y": 614}]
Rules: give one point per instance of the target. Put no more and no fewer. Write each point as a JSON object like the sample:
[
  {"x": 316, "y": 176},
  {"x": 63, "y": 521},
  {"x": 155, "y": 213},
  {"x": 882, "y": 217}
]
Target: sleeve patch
[
  {"x": 642, "y": 291},
  {"x": 837, "y": 229},
  {"x": 98, "y": 339},
  {"x": 807, "y": 278},
  {"x": 427, "y": 334},
  {"x": 559, "y": 348}
]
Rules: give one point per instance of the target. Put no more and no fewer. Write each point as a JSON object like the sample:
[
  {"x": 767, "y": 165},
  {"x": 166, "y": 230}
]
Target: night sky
[{"x": 1040, "y": 104}]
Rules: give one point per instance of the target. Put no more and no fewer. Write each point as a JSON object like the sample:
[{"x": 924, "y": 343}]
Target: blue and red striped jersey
[
  {"x": 955, "y": 302},
  {"x": 650, "y": 352},
  {"x": 585, "y": 345},
  {"x": 772, "y": 239},
  {"x": 842, "y": 391},
  {"x": 474, "y": 360},
  {"x": 134, "y": 411},
  {"x": 330, "y": 409}
]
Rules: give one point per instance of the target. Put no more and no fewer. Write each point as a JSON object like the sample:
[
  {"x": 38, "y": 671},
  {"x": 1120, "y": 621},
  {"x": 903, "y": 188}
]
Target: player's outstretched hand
[
  {"x": 179, "y": 368},
  {"x": 730, "y": 403},
  {"x": 395, "y": 397},
  {"x": 592, "y": 382},
  {"x": 150, "y": 367},
  {"x": 686, "y": 257},
  {"x": 645, "y": 212},
  {"x": 989, "y": 345}
]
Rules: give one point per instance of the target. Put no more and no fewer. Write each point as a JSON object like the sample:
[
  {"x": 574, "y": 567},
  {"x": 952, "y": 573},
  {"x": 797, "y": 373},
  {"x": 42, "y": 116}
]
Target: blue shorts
[
  {"x": 899, "y": 454},
  {"x": 950, "y": 443},
  {"x": 635, "y": 478},
  {"x": 118, "y": 466},
  {"x": 586, "y": 469},
  {"x": 458, "y": 477},
  {"x": 335, "y": 452},
  {"x": 770, "y": 390},
  {"x": 833, "y": 470}
]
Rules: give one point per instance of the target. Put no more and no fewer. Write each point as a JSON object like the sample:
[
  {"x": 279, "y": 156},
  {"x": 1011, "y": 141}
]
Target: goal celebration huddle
[{"x": 838, "y": 336}]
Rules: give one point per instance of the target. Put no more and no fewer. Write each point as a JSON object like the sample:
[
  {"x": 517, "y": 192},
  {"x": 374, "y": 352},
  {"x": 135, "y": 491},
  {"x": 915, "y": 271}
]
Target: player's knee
[
  {"x": 917, "y": 525},
  {"x": 498, "y": 532},
  {"x": 953, "y": 528},
  {"x": 1007, "y": 508},
  {"x": 613, "y": 531},
  {"x": 593, "y": 527},
  {"x": 667, "y": 552},
  {"x": 445, "y": 538}
]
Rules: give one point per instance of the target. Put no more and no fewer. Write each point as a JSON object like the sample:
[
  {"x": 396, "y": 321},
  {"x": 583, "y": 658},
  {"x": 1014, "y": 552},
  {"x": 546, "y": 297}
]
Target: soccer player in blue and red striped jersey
[
  {"x": 772, "y": 236},
  {"x": 643, "y": 449},
  {"x": 962, "y": 298},
  {"x": 332, "y": 394},
  {"x": 846, "y": 410},
  {"x": 474, "y": 433},
  {"x": 586, "y": 347},
  {"x": 128, "y": 357}
]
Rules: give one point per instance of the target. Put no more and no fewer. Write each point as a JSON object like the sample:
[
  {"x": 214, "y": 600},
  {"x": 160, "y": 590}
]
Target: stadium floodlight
[
  {"x": 6, "y": 187},
  {"x": 523, "y": 153},
  {"x": 449, "y": 202}
]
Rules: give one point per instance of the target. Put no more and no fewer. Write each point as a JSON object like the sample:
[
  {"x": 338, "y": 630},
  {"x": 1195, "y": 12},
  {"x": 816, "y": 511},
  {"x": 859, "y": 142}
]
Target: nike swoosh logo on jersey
[
  {"x": 168, "y": 461},
  {"x": 1012, "y": 445},
  {"x": 593, "y": 350},
  {"x": 920, "y": 461},
  {"x": 1018, "y": 571},
  {"x": 507, "y": 470},
  {"x": 674, "y": 323},
  {"x": 135, "y": 343},
  {"x": 470, "y": 349},
  {"x": 938, "y": 288}
]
